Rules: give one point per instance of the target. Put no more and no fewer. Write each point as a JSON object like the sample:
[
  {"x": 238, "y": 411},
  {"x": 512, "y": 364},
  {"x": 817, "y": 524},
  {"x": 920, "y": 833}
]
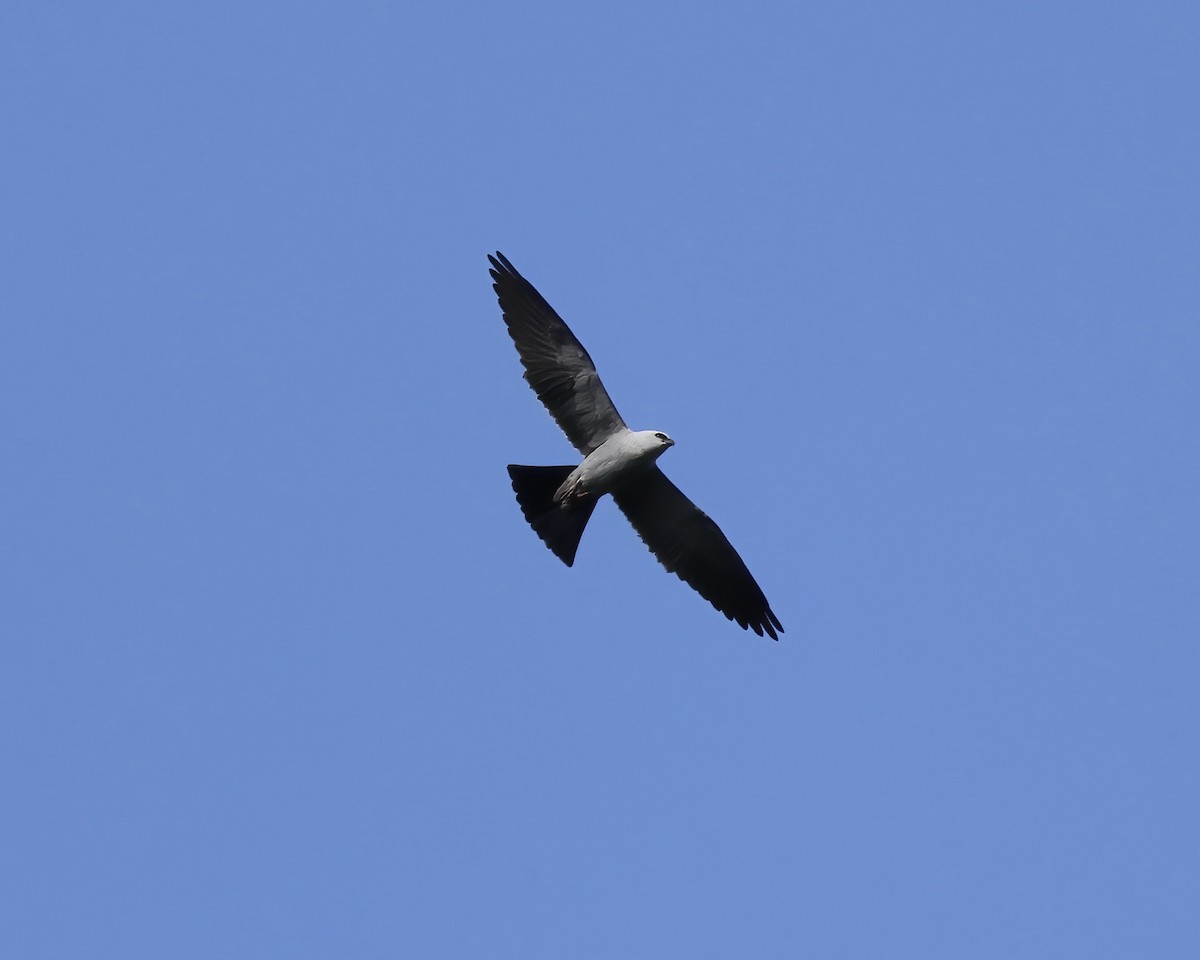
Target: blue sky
[{"x": 913, "y": 286}]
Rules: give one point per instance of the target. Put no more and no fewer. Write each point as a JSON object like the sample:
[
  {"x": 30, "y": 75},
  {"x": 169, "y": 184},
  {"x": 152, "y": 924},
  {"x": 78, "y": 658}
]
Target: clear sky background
[{"x": 916, "y": 289}]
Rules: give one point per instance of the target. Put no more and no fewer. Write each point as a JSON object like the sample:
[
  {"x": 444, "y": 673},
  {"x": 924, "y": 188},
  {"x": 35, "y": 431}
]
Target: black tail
[{"x": 560, "y": 525}]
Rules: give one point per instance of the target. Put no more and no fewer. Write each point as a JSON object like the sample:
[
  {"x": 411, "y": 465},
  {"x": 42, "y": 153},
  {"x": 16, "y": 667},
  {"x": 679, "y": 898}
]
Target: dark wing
[
  {"x": 692, "y": 547},
  {"x": 556, "y": 365}
]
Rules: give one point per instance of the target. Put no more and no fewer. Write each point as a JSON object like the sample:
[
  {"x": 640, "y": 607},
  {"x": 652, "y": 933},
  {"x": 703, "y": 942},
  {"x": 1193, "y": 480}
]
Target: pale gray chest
[{"x": 619, "y": 457}]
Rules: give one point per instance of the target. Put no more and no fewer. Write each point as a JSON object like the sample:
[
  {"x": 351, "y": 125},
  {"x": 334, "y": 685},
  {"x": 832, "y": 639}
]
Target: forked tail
[{"x": 560, "y": 525}]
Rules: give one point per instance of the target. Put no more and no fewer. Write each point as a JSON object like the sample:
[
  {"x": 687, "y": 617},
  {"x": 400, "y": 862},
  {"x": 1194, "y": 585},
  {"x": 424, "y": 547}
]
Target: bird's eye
[{"x": 661, "y": 436}]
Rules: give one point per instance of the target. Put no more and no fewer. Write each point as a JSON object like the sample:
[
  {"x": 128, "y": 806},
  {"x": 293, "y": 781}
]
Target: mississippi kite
[{"x": 558, "y": 501}]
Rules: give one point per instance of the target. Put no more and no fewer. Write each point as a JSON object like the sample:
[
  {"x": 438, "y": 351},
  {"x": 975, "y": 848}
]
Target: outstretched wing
[
  {"x": 692, "y": 547},
  {"x": 556, "y": 365}
]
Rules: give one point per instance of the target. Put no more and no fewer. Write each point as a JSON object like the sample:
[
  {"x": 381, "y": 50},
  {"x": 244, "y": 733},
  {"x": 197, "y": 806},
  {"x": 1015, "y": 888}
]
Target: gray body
[
  {"x": 617, "y": 461},
  {"x": 623, "y": 456}
]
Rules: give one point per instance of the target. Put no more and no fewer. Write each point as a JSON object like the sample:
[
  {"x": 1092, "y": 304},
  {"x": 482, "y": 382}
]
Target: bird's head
[
  {"x": 650, "y": 444},
  {"x": 654, "y": 443}
]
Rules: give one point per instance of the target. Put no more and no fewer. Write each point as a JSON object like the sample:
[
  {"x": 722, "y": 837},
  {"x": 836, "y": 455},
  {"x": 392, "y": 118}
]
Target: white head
[{"x": 654, "y": 442}]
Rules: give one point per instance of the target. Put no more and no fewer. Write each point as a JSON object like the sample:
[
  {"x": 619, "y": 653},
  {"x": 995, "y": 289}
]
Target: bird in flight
[{"x": 558, "y": 501}]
